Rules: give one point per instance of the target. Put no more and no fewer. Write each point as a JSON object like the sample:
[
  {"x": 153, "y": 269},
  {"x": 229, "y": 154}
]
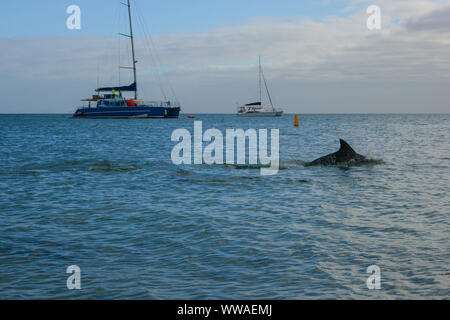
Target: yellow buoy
[{"x": 297, "y": 122}]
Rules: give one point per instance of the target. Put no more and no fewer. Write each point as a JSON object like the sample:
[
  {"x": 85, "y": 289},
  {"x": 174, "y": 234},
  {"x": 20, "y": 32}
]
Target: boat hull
[
  {"x": 127, "y": 113},
  {"x": 261, "y": 114}
]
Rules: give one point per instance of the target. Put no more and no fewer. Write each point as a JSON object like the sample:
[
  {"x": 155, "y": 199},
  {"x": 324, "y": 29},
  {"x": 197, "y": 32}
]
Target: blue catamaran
[{"x": 114, "y": 105}]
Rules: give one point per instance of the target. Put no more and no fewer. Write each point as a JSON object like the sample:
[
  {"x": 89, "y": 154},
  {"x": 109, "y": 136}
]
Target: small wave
[
  {"x": 296, "y": 181},
  {"x": 82, "y": 165},
  {"x": 183, "y": 172},
  {"x": 246, "y": 166},
  {"x": 283, "y": 165},
  {"x": 108, "y": 166},
  {"x": 223, "y": 181},
  {"x": 292, "y": 164}
]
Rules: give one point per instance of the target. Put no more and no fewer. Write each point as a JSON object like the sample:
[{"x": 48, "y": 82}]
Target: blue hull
[{"x": 128, "y": 112}]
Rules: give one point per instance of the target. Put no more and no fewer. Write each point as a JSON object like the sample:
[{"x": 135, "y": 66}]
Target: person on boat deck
[
  {"x": 120, "y": 93},
  {"x": 114, "y": 93}
]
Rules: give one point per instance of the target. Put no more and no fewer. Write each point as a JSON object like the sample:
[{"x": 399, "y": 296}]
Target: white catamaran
[{"x": 256, "y": 109}]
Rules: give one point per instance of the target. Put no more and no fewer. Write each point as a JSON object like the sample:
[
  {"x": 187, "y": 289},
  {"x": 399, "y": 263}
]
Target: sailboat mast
[
  {"x": 132, "y": 48},
  {"x": 261, "y": 75},
  {"x": 260, "y": 83},
  {"x": 268, "y": 93}
]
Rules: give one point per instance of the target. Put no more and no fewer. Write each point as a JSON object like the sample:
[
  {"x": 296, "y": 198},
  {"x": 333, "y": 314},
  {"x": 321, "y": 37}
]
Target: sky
[{"x": 318, "y": 56}]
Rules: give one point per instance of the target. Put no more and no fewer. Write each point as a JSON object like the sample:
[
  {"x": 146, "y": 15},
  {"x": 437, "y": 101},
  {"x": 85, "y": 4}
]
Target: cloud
[
  {"x": 411, "y": 50},
  {"x": 438, "y": 20}
]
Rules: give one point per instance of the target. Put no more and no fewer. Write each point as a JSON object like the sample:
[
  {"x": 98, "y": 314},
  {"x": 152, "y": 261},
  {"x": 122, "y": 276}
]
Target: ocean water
[{"x": 105, "y": 196}]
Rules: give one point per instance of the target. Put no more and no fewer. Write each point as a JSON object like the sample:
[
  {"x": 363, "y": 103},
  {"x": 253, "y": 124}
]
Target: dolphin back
[
  {"x": 345, "y": 155},
  {"x": 345, "y": 147}
]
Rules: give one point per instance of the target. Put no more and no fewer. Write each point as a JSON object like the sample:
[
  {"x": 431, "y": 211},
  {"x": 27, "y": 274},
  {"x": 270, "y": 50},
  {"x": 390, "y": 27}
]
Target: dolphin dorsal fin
[{"x": 345, "y": 147}]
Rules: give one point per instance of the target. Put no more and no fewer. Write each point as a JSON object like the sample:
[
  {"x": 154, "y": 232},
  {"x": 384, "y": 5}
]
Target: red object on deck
[{"x": 131, "y": 103}]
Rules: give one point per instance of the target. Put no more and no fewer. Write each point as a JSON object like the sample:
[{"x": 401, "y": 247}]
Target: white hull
[
  {"x": 261, "y": 114},
  {"x": 141, "y": 116}
]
